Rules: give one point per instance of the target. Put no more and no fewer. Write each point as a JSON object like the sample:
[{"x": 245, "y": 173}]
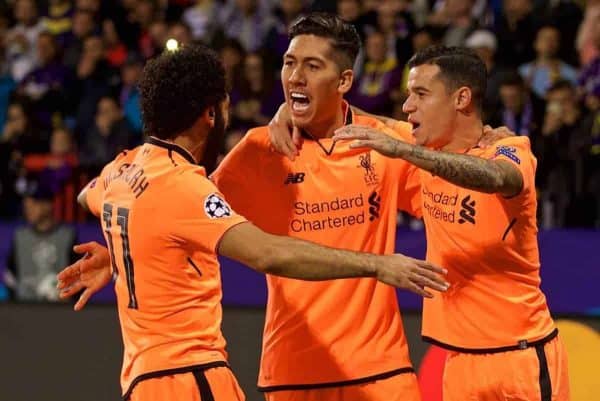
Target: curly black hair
[
  {"x": 459, "y": 66},
  {"x": 344, "y": 37},
  {"x": 177, "y": 87}
]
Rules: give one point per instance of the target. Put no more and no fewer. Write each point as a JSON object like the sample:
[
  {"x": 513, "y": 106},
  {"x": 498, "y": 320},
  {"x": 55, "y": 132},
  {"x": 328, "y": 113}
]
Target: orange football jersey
[
  {"x": 489, "y": 245},
  {"x": 162, "y": 221},
  {"x": 336, "y": 331}
]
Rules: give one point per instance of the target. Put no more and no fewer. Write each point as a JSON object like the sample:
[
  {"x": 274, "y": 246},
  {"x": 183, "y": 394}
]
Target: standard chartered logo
[
  {"x": 442, "y": 206},
  {"x": 334, "y": 213}
]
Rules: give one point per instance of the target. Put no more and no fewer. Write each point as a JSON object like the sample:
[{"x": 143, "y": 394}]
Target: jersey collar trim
[
  {"x": 172, "y": 147},
  {"x": 348, "y": 120}
]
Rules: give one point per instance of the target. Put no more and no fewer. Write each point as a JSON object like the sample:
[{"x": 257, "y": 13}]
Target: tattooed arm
[{"x": 491, "y": 176}]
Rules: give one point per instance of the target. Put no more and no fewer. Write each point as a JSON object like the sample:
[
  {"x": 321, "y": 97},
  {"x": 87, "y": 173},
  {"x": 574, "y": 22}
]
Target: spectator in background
[
  {"x": 20, "y": 137},
  {"x": 145, "y": 12},
  {"x": 424, "y": 37},
  {"x": 520, "y": 110},
  {"x": 22, "y": 132},
  {"x": 116, "y": 51},
  {"x": 109, "y": 136},
  {"x": 484, "y": 43},
  {"x": 48, "y": 83},
  {"x": 352, "y": 11},
  {"x": 256, "y": 97},
  {"x": 277, "y": 39},
  {"x": 95, "y": 79},
  {"x": 232, "y": 54},
  {"x": 159, "y": 34},
  {"x": 93, "y": 6},
  {"x": 566, "y": 16},
  {"x": 378, "y": 86},
  {"x": 39, "y": 250},
  {"x": 180, "y": 32},
  {"x": 54, "y": 169},
  {"x": 203, "y": 18},
  {"x": 589, "y": 78},
  {"x": 84, "y": 25},
  {"x": 248, "y": 21},
  {"x": 456, "y": 17},
  {"x": 515, "y": 31},
  {"x": 129, "y": 96},
  {"x": 59, "y": 20},
  {"x": 555, "y": 175},
  {"x": 547, "y": 68},
  {"x": 58, "y": 171},
  {"x": 20, "y": 41},
  {"x": 396, "y": 24}
]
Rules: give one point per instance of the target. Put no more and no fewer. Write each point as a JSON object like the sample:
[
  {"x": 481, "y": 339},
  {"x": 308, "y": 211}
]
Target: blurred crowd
[{"x": 69, "y": 102}]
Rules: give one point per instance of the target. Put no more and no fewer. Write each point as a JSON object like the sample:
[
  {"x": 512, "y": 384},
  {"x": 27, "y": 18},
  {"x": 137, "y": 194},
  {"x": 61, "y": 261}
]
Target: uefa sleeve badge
[
  {"x": 507, "y": 151},
  {"x": 215, "y": 207}
]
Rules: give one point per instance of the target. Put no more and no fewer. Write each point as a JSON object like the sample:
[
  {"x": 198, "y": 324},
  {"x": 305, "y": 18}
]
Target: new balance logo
[
  {"x": 294, "y": 178},
  {"x": 375, "y": 205},
  {"x": 467, "y": 213}
]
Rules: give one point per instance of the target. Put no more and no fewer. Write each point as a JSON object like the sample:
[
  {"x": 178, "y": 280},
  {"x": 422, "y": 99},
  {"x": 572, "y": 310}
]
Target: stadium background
[{"x": 68, "y": 104}]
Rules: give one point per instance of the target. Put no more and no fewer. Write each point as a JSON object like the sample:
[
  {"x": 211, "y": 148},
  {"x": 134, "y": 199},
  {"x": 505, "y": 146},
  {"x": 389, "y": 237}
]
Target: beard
[{"x": 215, "y": 143}]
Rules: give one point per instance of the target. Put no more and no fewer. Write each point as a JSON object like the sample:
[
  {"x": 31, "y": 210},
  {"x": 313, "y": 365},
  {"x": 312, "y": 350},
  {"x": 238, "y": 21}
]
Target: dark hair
[
  {"x": 512, "y": 78},
  {"x": 459, "y": 66},
  {"x": 177, "y": 87},
  {"x": 343, "y": 36},
  {"x": 561, "y": 84}
]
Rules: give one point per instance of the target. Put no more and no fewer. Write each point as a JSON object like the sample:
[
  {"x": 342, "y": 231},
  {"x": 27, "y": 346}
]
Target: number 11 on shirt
[{"x": 122, "y": 221}]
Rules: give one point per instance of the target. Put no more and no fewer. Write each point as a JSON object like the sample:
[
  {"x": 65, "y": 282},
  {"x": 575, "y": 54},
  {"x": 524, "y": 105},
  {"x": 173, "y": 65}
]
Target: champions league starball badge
[{"x": 215, "y": 207}]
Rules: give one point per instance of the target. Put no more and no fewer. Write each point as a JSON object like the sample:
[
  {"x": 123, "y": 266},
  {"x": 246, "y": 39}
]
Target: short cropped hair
[
  {"x": 342, "y": 35},
  {"x": 459, "y": 67},
  {"x": 177, "y": 87}
]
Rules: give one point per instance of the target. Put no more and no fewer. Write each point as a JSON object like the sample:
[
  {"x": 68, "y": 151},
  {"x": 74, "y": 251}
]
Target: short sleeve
[
  {"x": 204, "y": 214},
  {"x": 93, "y": 196},
  {"x": 517, "y": 151},
  {"x": 95, "y": 188}
]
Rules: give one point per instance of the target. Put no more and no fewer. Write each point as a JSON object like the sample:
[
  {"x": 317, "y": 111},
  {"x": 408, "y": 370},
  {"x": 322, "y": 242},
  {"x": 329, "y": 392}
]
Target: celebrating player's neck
[
  {"x": 325, "y": 125},
  {"x": 191, "y": 143},
  {"x": 466, "y": 134}
]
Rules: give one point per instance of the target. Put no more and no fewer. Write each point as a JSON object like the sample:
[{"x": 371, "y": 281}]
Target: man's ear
[
  {"x": 464, "y": 99},
  {"x": 346, "y": 79},
  {"x": 209, "y": 116}
]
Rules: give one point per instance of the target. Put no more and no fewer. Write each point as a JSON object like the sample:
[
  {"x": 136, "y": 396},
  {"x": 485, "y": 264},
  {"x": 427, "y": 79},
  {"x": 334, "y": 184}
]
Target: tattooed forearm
[{"x": 463, "y": 170}]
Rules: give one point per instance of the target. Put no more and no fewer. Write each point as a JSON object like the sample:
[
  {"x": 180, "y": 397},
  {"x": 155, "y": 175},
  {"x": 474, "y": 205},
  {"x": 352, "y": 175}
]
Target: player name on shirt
[
  {"x": 353, "y": 211},
  {"x": 132, "y": 174}
]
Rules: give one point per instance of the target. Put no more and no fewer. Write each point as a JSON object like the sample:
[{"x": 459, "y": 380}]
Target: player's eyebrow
[
  {"x": 304, "y": 59},
  {"x": 313, "y": 59},
  {"x": 420, "y": 89}
]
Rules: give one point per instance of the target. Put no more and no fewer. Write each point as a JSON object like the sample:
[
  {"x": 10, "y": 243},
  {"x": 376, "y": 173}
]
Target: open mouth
[
  {"x": 300, "y": 102},
  {"x": 415, "y": 126}
]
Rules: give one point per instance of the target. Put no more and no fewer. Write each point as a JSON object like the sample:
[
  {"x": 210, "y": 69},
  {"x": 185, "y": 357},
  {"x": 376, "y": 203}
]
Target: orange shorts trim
[
  {"x": 537, "y": 373},
  {"x": 214, "y": 384},
  {"x": 402, "y": 387}
]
